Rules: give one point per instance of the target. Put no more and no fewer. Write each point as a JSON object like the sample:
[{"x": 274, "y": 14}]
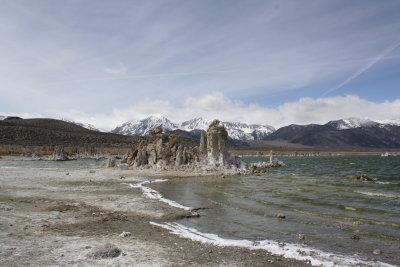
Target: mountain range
[
  {"x": 192, "y": 128},
  {"x": 351, "y": 132}
]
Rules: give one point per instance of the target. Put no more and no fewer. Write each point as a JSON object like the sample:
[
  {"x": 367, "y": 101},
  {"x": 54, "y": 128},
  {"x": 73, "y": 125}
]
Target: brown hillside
[{"x": 41, "y": 132}]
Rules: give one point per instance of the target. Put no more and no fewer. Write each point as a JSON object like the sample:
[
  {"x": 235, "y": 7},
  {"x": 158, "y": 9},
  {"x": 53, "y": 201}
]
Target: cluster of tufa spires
[{"x": 166, "y": 151}]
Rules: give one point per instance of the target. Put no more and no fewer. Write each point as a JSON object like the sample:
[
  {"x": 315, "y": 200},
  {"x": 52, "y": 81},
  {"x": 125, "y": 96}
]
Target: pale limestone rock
[
  {"x": 110, "y": 163},
  {"x": 203, "y": 144},
  {"x": 217, "y": 152},
  {"x": 59, "y": 154}
]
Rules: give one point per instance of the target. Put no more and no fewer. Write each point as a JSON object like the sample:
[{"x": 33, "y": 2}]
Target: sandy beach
[{"x": 60, "y": 217}]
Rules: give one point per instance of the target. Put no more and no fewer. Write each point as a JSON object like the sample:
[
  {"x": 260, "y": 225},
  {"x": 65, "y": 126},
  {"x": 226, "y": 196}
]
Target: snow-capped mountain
[
  {"x": 236, "y": 130},
  {"x": 195, "y": 124},
  {"x": 85, "y": 125},
  {"x": 351, "y": 123},
  {"x": 246, "y": 132},
  {"x": 143, "y": 127},
  {"x": 2, "y": 117},
  {"x": 395, "y": 122}
]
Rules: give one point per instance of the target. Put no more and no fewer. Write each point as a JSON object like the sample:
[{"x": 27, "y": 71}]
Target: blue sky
[{"x": 106, "y": 62}]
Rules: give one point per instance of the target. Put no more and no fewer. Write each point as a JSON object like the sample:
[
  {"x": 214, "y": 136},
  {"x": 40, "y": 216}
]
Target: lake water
[
  {"x": 323, "y": 203},
  {"x": 79, "y": 163}
]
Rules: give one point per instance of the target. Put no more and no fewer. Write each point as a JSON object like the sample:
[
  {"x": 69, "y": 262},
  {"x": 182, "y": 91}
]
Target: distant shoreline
[
  {"x": 311, "y": 153},
  {"x": 25, "y": 150}
]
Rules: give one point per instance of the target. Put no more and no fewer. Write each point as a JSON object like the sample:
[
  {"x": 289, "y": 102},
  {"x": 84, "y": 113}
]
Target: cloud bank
[{"x": 216, "y": 105}]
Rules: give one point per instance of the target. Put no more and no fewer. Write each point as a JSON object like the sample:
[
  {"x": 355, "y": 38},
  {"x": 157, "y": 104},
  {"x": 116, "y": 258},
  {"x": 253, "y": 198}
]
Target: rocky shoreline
[{"x": 66, "y": 216}]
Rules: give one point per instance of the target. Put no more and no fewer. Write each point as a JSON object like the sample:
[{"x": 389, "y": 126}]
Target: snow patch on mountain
[
  {"x": 2, "y": 117},
  {"x": 351, "y": 123},
  {"x": 85, "y": 125},
  {"x": 246, "y": 132},
  {"x": 395, "y": 122},
  {"x": 144, "y": 126},
  {"x": 195, "y": 124}
]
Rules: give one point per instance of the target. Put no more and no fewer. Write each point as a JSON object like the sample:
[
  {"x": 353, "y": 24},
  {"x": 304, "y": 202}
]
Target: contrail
[{"x": 365, "y": 68}]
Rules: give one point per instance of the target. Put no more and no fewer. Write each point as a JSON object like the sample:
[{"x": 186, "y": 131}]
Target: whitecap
[
  {"x": 382, "y": 182},
  {"x": 374, "y": 194}
]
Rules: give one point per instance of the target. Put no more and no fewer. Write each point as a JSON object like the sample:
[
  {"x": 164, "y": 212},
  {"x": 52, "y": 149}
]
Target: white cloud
[
  {"x": 216, "y": 105},
  {"x": 321, "y": 110},
  {"x": 24, "y": 115}
]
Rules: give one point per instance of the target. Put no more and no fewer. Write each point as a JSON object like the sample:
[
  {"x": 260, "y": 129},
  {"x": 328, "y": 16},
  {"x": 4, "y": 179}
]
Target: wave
[
  {"x": 392, "y": 183},
  {"x": 153, "y": 194},
  {"x": 374, "y": 194},
  {"x": 293, "y": 251}
]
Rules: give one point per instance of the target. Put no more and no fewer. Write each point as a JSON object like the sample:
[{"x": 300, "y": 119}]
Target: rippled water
[{"x": 319, "y": 196}]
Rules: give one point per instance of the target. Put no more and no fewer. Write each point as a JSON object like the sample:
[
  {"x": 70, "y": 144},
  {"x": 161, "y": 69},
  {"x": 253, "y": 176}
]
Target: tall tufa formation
[
  {"x": 213, "y": 145},
  {"x": 217, "y": 155}
]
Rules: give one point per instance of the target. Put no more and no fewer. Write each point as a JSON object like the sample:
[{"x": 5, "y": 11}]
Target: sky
[{"x": 269, "y": 62}]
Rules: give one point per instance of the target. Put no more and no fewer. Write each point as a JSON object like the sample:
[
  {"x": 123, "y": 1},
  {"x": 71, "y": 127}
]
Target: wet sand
[{"x": 57, "y": 217}]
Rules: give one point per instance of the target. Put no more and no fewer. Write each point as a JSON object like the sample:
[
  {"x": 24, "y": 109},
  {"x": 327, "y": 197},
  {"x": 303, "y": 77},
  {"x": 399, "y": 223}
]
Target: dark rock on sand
[
  {"x": 364, "y": 177},
  {"x": 105, "y": 251},
  {"x": 281, "y": 216},
  {"x": 125, "y": 234}
]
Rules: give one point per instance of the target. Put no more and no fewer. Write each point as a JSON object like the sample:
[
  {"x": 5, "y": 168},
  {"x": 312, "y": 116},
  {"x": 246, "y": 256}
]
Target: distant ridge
[{"x": 341, "y": 134}]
